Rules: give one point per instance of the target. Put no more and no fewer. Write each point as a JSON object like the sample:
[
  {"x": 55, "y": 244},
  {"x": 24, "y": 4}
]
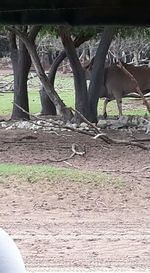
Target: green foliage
[
  {"x": 83, "y": 30},
  {"x": 48, "y": 29},
  {"x": 123, "y": 31},
  {"x": 133, "y": 32},
  {"x": 53, "y": 30}
]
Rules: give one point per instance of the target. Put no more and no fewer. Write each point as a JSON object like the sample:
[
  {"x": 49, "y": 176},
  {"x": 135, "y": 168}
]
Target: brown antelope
[{"x": 117, "y": 84}]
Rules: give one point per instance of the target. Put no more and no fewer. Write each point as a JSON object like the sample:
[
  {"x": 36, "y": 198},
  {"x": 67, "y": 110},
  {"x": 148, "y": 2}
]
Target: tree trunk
[
  {"x": 81, "y": 96},
  {"x": 97, "y": 79},
  {"x": 60, "y": 106},
  {"x": 21, "y": 62},
  {"x": 48, "y": 107}
]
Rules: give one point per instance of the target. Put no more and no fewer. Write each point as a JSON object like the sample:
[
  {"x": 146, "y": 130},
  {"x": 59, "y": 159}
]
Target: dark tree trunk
[
  {"x": 97, "y": 79},
  {"x": 21, "y": 67},
  {"x": 81, "y": 96},
  {"x": 61, "y": 109},
  {"x": 21, "y": 62},
  {"x": 48, "y": 107}
]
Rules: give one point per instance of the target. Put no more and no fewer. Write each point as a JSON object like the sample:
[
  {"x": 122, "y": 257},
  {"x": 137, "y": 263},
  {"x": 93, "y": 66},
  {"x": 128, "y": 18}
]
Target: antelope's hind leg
[
  {"x": 119, "y": 104},
  {"x": 106, "y": 101}
]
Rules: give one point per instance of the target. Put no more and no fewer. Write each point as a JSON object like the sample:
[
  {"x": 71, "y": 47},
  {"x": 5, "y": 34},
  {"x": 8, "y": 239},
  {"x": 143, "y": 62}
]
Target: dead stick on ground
[
  {"x": 24, "y": 111},
  {"x": 62, "y": 159},
  {"x": 86, "y": 121},
  {"x": 74, "y": 152},
  {"x": 103, "y": 136},
  {"x": 34, "y": 116},
  {"x": 145, "y": 168},
  {"x": 141, "y": 139},
  {"x": 120, "y": 141},
  {"x": 137, "y": 88},
  {"x": 55, "y": 123}
]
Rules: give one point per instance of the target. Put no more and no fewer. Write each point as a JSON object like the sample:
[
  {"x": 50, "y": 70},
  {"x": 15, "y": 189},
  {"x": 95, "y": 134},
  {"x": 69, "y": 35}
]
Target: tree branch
[
  {"x": 34, "y": 31},
  {"x": 77, "y": 42},
  {"x": 86, "y": 121},
  {"x": 74, "y": 152},
  {"x": 102, "y": 136},
  {"x": 12, "y": 40}
]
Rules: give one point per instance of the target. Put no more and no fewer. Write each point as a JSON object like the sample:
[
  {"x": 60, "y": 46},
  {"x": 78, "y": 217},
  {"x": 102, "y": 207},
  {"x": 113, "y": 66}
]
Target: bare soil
[{"x": 71, "y": 224}]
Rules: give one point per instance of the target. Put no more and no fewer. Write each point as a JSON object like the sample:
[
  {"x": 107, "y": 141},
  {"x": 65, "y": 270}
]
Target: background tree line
[{"x": 72, "y": 48}]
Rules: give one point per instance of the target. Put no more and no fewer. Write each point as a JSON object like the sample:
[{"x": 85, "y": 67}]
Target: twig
[
  {"x": 138, "y": 90},
  {"x": 74, "y": 146},
  {"x": 145, "y": 168},
  {"x": 109, "y": 140},
  {"x": 55, "y": 123},
  {"x": 72, "y": 165},
  {"x": 79, "y": 131},
  {"x": 27, "y": 137},
  {"x": 34, "y": 116},
  {"x": 3, "y": 150},
  {"x": 140, "y": 145},
  {"x": 37, "y": 118},
  {"x": 141, "y": 139},
  {"x": 24, "y": 111},
  {"x": 124, "y": 171},
  {"x": 104, "y": 137},
  {"x": 74, "y": 152},
  {"x": 62, "y": 159},
  {"x": 8, "y": 84}
]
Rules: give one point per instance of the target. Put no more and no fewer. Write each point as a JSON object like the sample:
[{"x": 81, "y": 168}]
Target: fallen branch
[
  {"x": 109, "y": 140},
  {"x": 54, "y": 122},
  {"x": 3, "y": 150},
  {"x": 102, "y": 136},
  {"x": 27, "y": 137},
  {"x": 141, "y": 139},
  {"x": 32, "y": 115},
  {"x": 79, "y": 131},
  {"x": 74, "y": 152},
  {"x": 146, "y": 168},
  {"x": 75, "y": 146},
  {"x": 124, "y": 171},
  {"x": 137, "y": 88}
]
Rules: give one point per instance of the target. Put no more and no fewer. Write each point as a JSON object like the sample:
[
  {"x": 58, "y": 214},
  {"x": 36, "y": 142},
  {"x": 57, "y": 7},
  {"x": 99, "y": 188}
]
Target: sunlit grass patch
[
  {"x": 64, "y": 85},
  {"x": 35, "y": 173}
]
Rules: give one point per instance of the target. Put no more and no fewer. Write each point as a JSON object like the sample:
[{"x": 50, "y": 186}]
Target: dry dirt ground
[{"x": 78, "y": 225}]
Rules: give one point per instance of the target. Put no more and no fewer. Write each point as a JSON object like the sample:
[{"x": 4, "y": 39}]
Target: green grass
[
  {"x": 65, "y": 89},
  {"x": 6, "y": 103},
  {"x": 34, "y": 173},
  {"x": 129, "y": 107}
]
